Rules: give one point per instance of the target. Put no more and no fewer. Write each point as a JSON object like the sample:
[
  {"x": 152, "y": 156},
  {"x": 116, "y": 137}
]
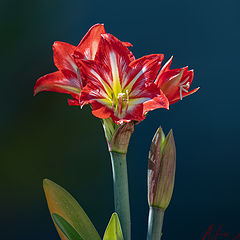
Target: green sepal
[
  {"x": 62, "y": 203},
  {"x": 117, "y": 135},
  {"x": 67, "y": 229},
  {"x": 113, "y": 230}
]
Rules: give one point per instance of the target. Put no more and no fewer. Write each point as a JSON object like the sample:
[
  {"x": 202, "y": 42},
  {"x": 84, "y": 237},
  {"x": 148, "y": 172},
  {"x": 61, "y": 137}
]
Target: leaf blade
[
  {"x": 113, "y": 230},
  {"x": 62, "y": 203}
]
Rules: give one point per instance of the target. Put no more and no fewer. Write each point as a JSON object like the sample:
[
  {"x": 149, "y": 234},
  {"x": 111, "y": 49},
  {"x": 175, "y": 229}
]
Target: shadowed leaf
[{"x": 66, "y": 228}]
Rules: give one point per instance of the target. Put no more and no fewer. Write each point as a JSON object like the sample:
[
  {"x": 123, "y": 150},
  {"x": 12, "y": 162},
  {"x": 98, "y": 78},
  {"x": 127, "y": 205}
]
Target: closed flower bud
[{"x": 161, "y": 169}]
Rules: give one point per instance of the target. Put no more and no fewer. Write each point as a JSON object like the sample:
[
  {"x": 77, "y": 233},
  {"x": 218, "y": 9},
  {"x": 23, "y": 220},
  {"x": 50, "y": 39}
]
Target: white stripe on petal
[
  {"x": 130, "y": 85},
  {"x": 104, "y": 84},
  {"x": 115, "y": 74}
]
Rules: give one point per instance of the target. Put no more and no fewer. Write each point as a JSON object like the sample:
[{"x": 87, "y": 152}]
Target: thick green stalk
[
  {"x": 121, "y": 194},
  {"x": 155, "y": 222}
]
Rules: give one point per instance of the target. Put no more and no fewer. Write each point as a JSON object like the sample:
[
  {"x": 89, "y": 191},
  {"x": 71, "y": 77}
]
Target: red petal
[
  {"x": 184, "y": 95},
  {"x": 144, "y": 71},
  {"x": 166, "y": 67},
  {"x": 100, "y": 110},
  {"x": 99, "y": 80},
  {"x": 103, "y": 112},
  {"x": 57, "y": 82},
  {"x": 169, "y": 81},
  {"x": 136, "y": 114},
  {"x": 161, "y": 101},
  {"x": 63, "y": 59},
  {"x": 127, "y": 44},
  {"x": 74, "y": 102},
  {"x": 165, "y": 74},
  {"x": 88, "y": 47},
  {"x": 111, "y": 45},
  {"x": 188, "y": 73},
  {"x": 99, "y": 72},
  {"x": 146, "y": 60}
]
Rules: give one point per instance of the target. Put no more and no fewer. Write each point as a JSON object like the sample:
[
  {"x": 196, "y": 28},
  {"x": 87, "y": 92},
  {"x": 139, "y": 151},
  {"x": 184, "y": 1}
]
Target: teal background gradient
[{"x": 42, "y": 137}]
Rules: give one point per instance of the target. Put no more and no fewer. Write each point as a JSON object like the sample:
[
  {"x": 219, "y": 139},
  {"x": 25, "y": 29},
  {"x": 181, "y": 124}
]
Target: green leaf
[
  {"x": 60, "y": 202},
  {"x": 113, "y": 230},
  {"x": 66, "y": 227}
]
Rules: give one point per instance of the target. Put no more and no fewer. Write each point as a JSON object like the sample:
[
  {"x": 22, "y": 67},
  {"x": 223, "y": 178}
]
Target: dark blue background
[{"x": 43, "y": 137}]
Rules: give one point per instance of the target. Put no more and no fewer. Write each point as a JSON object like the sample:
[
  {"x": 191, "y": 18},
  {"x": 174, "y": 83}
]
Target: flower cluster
[{"x": 103, "y": 72}]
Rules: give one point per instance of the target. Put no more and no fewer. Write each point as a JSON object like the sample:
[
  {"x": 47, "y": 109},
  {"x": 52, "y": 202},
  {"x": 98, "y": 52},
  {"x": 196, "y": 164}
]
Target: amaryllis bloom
[
  {"x": 118, "y": 85},
  {"x": 69, "y": 79},
  {"x": 175, "y": 83}
]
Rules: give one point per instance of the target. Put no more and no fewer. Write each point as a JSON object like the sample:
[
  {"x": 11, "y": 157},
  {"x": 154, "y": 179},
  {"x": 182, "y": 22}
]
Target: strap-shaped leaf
[
  {"x": 113, "y": 230},
  {"x": 66, "y": 227},
  {"x": 62, "y": 203}
]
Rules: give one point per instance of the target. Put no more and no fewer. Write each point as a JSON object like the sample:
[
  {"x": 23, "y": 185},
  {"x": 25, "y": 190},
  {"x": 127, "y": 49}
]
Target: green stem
[
  {"x": 121, "y": 194},
  {"x": 155, "y": 222}
]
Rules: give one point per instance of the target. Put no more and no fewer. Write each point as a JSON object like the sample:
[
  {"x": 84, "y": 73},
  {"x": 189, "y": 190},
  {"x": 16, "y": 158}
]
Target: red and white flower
[
  {"x": 119, "y": 86},
  {"x": 69, "y": 77},
  {"x": 175, "y": 83},
  {"x": 103, "y": 72}
]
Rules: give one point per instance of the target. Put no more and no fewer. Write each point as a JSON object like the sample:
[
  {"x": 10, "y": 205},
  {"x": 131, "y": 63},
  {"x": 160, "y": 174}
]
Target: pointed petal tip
[
  {"x": 170, "y": 134},
  {"x": 127, "y": 44},
  {"x": 170, "y": 59},
  {"x": 158, "y": 138},
  {"x": 36, "y": 90},
  {"x": 170, "y": 140},
  {"x": 55, "y": 43},
  {"x": 159, "y": 132},
  {"x": 194, "y": 90},
  {"x": 167, "y": 103},
  {"x": 159, "y": 129},
  {"x": 161, "y": 57},
  {"x": 98, "y": 24}
]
